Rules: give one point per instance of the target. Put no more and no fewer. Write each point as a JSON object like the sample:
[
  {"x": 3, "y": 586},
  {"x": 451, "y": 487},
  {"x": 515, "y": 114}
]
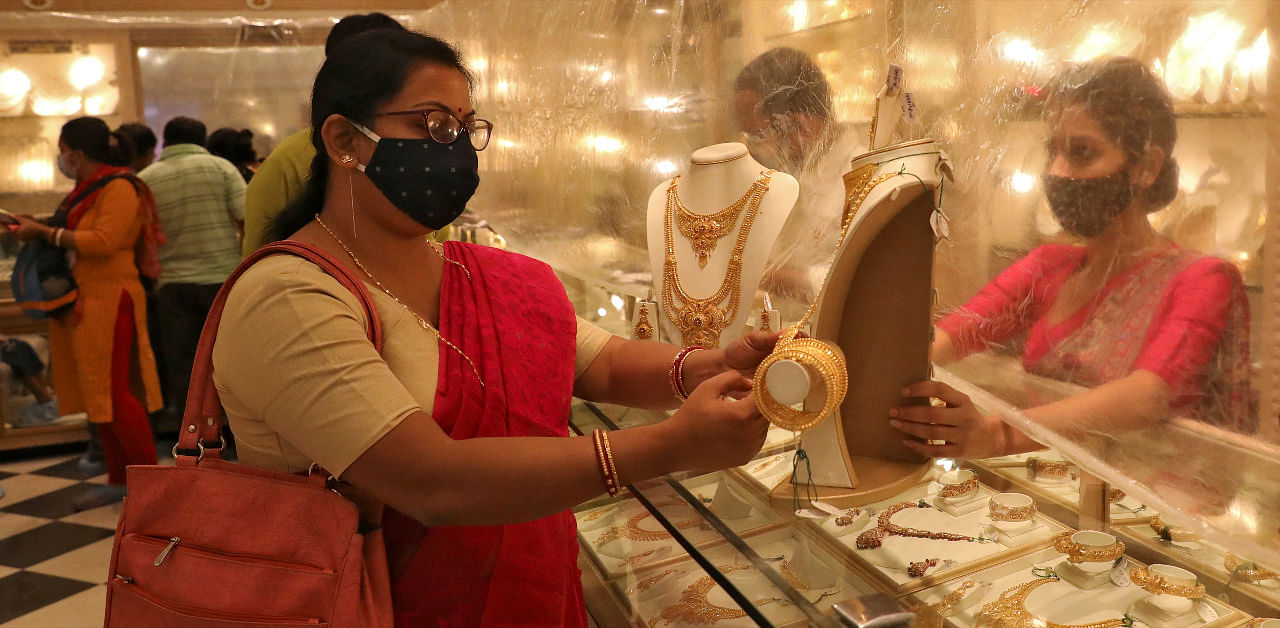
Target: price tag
[
  {"x": 1120, "y": 574},
  {"x": 1206, "y": 612},
  {"x": 811, "y": 513},
  {"x": 828, "y": 508}
]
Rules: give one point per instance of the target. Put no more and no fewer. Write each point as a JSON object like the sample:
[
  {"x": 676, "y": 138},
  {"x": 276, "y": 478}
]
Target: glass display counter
[{"x": 713, "y": 549}]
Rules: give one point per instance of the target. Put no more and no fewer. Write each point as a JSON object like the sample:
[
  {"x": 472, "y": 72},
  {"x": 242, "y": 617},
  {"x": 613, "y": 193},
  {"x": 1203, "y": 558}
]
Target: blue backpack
[{"x": 42, "y": 283}]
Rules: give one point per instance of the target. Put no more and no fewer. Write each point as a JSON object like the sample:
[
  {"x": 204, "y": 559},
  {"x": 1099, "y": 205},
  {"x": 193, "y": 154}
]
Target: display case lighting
[
  {"x": 604, "y": 143},
  {"x": 617, "y": 302},
  {"x": 43, "y": 106},
  {"x": 1022, "y": 182},
  {"x": 1020, "y": 50},
  {"x": 504, "y": 143},
  {"x": 14, "y": 84},
  {"x": 86, "y": 72},
  {"x": 666, "y": 167},
  {"x": 606, "y": 76},
  {"x": 799, "y": 12},
  {"x": 478, "y": 64},
  {"x": 661, "y": 103}
]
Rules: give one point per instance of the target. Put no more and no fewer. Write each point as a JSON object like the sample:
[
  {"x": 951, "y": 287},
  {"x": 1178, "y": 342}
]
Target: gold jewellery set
[
  {"x": 1010, "y": 610},
  {"x": 695, "y": 609},
  {"x": 631, "y": 529},
  {"x": 874, "y": 537},
  {"x": 701, "y": 321},
  {"x": 421, "y": 321}
]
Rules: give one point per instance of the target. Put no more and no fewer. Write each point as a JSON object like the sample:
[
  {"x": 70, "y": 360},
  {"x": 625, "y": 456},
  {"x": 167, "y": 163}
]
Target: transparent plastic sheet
[{"x": 596, "y": 103}]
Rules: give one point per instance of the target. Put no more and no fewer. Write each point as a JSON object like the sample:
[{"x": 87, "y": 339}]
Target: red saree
[
  {"x": 513, "y": 319},
  {"x": 1179, "y": 314}
]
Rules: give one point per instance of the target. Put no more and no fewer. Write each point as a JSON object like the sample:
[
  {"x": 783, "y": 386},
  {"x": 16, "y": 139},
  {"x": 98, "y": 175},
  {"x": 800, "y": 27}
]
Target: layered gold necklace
[
  {"x": 695, "y": 609},
  {"x": 701, "y": 321}
]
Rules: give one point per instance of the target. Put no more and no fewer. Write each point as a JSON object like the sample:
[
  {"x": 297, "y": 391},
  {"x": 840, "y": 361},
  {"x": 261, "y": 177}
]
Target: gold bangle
[
  {"x": 1156, "y": 585},
  {"x": 959, "y": 490},
  {"x": 610, "y": 479},
  {"x": 997, "y": 512},
  {"x": 615, "y": 482},
  {"x": 1170, "y": 533},
  {"x": 820, "y": 356},
  {"x": 1077, "y": 553},
  {"x": 1248, "y": 570},
  {"x": 1053, "y": 470}
]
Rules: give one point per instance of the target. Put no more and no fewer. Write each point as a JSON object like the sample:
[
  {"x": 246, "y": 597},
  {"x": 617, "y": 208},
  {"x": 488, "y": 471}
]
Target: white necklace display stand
[
  {"x": 717, "y": 176},
  {"x": 877, "y": 308}
]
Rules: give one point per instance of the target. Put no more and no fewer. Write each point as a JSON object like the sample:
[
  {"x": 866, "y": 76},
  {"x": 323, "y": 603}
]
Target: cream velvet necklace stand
[
  {"x": 876, "y": 307},
  {"x": 717, "y": 176}
]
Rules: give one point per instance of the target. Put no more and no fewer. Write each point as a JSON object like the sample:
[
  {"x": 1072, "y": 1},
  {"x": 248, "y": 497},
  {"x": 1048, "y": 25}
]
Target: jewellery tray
[{"x": 1059, "y": 602}]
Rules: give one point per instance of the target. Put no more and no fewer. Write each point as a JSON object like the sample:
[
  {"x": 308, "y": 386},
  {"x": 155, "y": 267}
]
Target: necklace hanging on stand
[
  {"x": 701, "y": 321},
  {"x": 705, "y": 231}
]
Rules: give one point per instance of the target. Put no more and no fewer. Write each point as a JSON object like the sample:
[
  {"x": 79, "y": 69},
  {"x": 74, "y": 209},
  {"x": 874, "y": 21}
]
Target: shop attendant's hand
[
  {"x": 29, "y": 228},
  {"x": 719, "y": 425},
  {"x": 968, "y": 433},
  {"x": 745, "y": 354}
]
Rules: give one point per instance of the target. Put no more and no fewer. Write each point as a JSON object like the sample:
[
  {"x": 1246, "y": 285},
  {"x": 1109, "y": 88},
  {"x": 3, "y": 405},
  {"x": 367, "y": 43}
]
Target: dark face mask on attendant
[
  {"x": 1086, "y": 207},
  {"x": 430, "y": 182}
]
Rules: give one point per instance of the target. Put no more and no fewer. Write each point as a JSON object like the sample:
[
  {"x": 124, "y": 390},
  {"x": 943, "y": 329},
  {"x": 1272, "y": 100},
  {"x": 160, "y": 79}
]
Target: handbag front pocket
[
  {"x": 172, "y": 570},
  {"x": 144, "y": 608}
]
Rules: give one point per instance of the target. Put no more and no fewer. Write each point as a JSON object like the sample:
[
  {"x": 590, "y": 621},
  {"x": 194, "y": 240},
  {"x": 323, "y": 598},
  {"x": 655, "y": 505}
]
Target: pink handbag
[{"x": 213, "y": 543}]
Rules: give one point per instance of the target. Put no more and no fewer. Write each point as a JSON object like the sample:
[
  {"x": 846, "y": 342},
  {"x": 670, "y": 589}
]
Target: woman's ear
[
  {"x": 342, "y": 143},
  {"x": 1148, "y": 167}
]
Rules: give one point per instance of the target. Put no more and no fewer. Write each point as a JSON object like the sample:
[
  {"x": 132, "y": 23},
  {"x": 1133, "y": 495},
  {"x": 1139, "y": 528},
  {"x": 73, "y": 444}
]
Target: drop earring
[{"x": 352, "y": 196}]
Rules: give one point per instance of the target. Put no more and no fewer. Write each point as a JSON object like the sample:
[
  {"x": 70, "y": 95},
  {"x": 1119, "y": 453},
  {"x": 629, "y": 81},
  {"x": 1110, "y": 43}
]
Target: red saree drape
[{"x": 512, "y": 317}]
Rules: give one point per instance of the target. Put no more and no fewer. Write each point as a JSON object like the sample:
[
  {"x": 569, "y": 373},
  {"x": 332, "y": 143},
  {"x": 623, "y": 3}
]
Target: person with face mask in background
[
  {"x": 459, "y": 425},
  {"x": 102, "y": 345},
  {"x": 1151, "y": 329},
  {"x": 782, "y": 103}
]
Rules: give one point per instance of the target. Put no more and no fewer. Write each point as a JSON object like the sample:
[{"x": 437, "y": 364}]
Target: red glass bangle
[{"x": 677, "y": 372}]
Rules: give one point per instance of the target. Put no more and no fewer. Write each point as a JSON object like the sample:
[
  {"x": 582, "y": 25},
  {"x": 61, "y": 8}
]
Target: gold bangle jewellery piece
[
  {"x": 959, "y": 490},
  {"x": 1170, "y": 533},
  {"x": 701, "y": 321},
  {"x": 1157, "y": 585},
  {"x": 1037, "y": 468},
  {"x": 999, "y": 512},
  {"x": 822, "y": 357},
  {"x": 1077, "y": 553},
  {"x": 874, "y": 537},
  {"x": 693, "y": 608},
  {"x": 1010, "y": 610},
  {"x": 1248, "y": 570}
]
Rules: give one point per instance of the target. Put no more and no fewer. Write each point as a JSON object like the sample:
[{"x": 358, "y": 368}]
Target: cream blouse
[{"x": 299, "y": 379}]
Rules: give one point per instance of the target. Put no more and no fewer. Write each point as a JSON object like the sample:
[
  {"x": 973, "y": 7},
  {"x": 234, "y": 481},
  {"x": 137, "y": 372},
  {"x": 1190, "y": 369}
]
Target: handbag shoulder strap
[
  {"x": 64, "y": 208},
  {"x": 202, "y": 418}
]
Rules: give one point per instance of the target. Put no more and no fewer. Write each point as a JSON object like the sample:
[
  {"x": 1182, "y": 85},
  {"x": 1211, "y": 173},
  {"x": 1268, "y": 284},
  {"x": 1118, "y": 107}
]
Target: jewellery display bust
[{"x": 717, "y": 176}]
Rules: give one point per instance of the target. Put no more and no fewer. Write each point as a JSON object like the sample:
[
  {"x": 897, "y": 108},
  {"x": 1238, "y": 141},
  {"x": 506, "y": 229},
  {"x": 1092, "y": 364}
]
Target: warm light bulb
[
  {"x": 660, "y": 103},
  {"x": 604, "y": 143},
  {"x": 479, "y": 64},
  {"x": 602, "y": 312},
  {"x": 14, "y": 84},
  {"x": 1021, "y": 51},
  {"x": 86, "y": 71},
  {"x": 665, "y": 167},
  {"x": 799, "y": 12},
  {"x": 502, "y": 143},
  {"x": 616, "y": 301},
  {"x": 606, "y": 76},
  {"x": 502, "y": 87},
  {"x": 1022, "y": 182},
  {"x": 36, "y": 171},
  {"x": 54, "y": 107}
]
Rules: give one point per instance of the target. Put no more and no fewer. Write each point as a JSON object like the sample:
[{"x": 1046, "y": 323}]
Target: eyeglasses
[{"x": 444, "y": 127}]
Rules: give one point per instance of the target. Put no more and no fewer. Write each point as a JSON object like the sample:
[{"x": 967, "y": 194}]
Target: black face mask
[
  {"x": 428, "y": 181},
  {"x": 1086, "y": 207}
]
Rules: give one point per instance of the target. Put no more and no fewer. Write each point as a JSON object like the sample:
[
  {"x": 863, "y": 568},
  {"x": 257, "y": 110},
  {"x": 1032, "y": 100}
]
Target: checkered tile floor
[{"x": 53, "y": 560}]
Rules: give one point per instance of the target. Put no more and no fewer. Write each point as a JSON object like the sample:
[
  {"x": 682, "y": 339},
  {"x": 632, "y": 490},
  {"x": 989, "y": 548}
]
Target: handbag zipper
[
  {"x": 220, "y": 555},
  {"x": 164, "y": 553},
  {"x": 205, "y": 613}
]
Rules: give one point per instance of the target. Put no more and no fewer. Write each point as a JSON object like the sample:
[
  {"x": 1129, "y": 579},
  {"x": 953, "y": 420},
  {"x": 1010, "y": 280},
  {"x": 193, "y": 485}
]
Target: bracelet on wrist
[{"x": 676, "y": 374}]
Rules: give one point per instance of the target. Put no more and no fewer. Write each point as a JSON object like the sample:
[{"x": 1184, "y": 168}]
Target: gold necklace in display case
[
  {"x": 1010, "y": 610},
  {"x": 695, "y": 609},
  {"x": 701, "y": 321}
]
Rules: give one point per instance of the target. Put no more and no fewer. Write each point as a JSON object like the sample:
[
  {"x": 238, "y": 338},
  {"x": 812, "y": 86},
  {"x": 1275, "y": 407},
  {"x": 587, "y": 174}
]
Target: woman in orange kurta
[{"x": 102, "y": 358}]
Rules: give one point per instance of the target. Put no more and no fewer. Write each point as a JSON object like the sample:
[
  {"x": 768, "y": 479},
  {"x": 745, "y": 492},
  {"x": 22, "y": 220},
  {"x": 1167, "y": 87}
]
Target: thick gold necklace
[
  {"x": 421, "y": 321},
  {"x": 632, "y": 530},
  {"x": 701, "y": 321},
  {"x": 1010, "y": 610},
  {"x": 874, "y": 537},
  {"x": 705, "y": 231},
  {"x": 694, "y": 608}
]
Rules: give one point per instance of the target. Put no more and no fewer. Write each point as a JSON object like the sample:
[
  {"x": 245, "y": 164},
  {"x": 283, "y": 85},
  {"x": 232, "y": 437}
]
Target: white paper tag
[
  {"x": 828, "y": 508},
  {"x": 1206, "y": 612},
  {"x": 811, "y": 513},
  {"x": 1120, "y": 574}
]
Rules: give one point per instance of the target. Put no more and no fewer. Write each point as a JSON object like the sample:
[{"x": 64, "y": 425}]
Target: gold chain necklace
[
  {"x": 421, "y": 321},
  {"x": 874, "y": 537},
  {"x": 694, "y": 607},
  {"x": 701, "y": 321},
  {"x": 705, "y": 231},
  {"x": 632, "y": 530},
  {"x": 1010, "y": 610}
]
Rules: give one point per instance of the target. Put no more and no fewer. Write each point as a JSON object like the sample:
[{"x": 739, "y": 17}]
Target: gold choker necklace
[
  {"x": 701, "y": 321},
  {"x": 1010, "y": 610},
  {"x": 695, "y": 609}
]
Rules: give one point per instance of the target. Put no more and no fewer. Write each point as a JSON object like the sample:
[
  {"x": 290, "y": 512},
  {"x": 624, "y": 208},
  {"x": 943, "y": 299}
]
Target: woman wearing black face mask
[
  {"x": 458, "y": 425},
  {"x": 1153, "y": 330}
]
